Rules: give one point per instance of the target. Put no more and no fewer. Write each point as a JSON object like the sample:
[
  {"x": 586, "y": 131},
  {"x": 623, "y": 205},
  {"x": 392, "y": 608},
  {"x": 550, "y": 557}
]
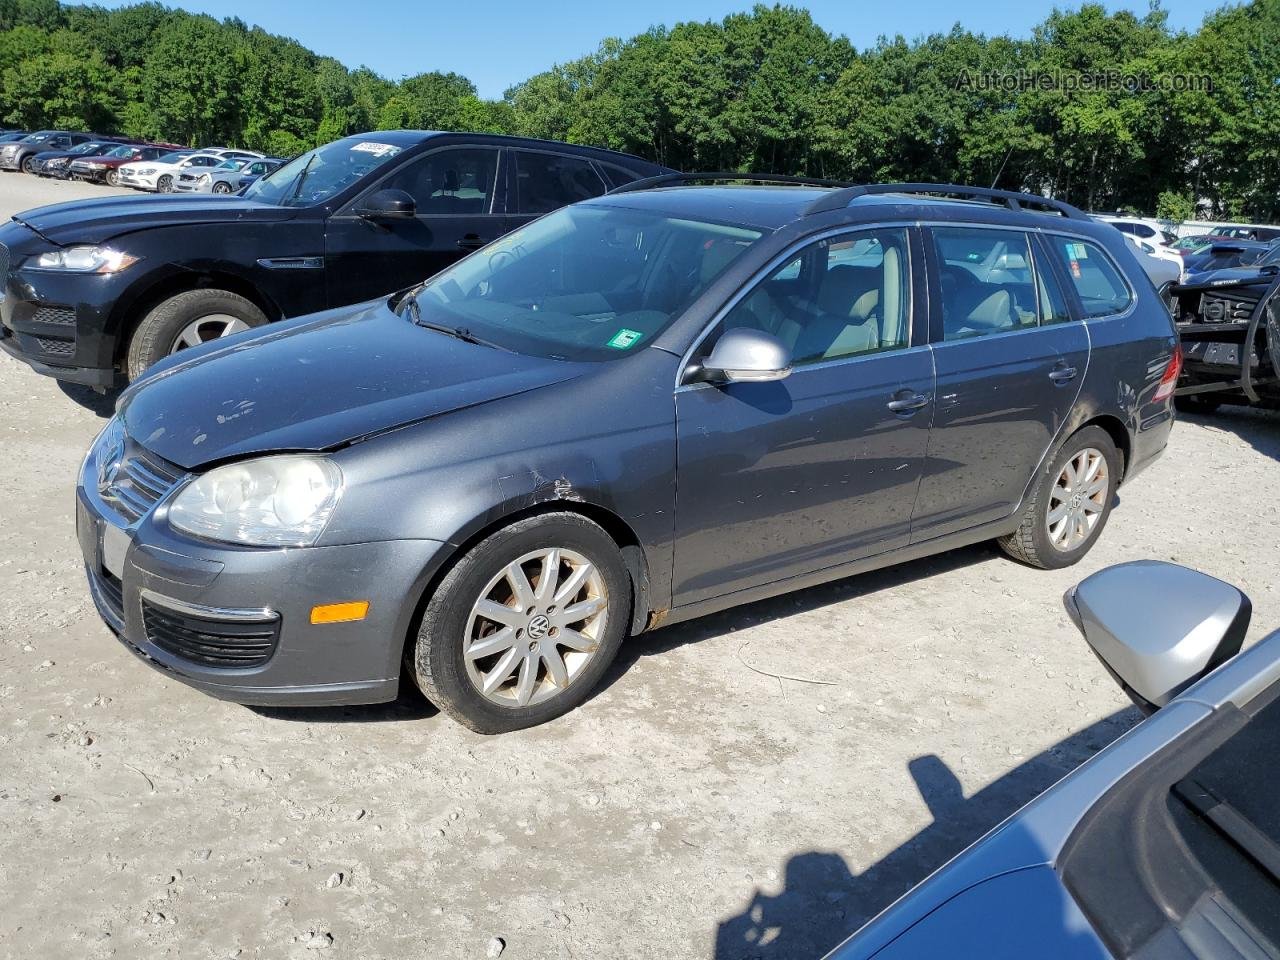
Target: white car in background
[
  {"x": 1152, "y": 231},
  {"x": 161, "y": 174}
]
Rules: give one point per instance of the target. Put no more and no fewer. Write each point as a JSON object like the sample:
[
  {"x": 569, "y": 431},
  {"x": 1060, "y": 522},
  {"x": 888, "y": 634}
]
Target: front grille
[
  {"x": 61, "y": 316},
  {"x": 1218, "y": 308},
  {"x": 112, "y": 591},
  {"x": 208, "y": 641},
  {"x": 137, "y": 481},
  {"x": 4, "y": 264},
  {"x": 56, "y": 348}
]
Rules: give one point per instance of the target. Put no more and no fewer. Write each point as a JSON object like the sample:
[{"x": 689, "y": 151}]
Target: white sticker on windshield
[{"x": 378, "y": 149}]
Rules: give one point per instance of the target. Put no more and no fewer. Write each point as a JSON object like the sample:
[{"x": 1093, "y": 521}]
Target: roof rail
[
  {"x": 671, "y": 179},
  {"x": 839, "y": 199}
]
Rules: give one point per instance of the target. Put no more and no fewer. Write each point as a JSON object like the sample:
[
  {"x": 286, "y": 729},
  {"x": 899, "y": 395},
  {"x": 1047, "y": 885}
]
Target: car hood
[
  {"x": 1223, "y": 276},
  {"x": 318, "y": 383},
  {"x": 100, "y": 219}
]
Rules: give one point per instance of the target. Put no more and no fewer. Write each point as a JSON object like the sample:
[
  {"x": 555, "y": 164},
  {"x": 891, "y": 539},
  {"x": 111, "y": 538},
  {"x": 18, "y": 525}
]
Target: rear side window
[
  {"x": 1101, "y": 288},
  {"x": 549, "y": 181},
  {"x": 988, "y": 284}
]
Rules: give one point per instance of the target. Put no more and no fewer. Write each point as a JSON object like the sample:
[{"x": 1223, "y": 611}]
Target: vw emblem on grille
[
  {"x": 538, "y": 627},
  {"x": 112, "y": 461}
]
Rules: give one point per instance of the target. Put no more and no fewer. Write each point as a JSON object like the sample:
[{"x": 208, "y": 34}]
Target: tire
[
  {"x": 113, "y": 178},
  {"x": 221, "y": 187},
  {"x": 158, "y": 334},
  {"x": 29, "y": 164},
  {"x": 164, "y": 184},
  {"x": 450, "y": 623},
  {"x": 1032, "y": 542},
  {"x": 1197, "y": 403}
]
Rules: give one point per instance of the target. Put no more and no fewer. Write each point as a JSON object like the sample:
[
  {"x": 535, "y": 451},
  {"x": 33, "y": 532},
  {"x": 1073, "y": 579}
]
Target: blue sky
[{"x": 500, "y": 42}]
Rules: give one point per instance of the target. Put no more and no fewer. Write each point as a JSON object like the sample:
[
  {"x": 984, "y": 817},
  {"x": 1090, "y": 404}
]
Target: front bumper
[
  {"x": 8, "y": 161},
  {"x": 58, "y": 323},
  {"x": 135, "y": 570},
  {"x": 128, "y": 179},
  {"x": 191, "y": 186}
]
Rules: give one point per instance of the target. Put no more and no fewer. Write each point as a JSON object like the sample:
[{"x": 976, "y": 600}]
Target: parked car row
[{"x": 121, "y": 161}]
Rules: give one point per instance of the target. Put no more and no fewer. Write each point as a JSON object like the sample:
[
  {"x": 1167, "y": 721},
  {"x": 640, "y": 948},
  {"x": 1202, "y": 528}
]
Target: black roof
[{"x": 410, "y": 138}]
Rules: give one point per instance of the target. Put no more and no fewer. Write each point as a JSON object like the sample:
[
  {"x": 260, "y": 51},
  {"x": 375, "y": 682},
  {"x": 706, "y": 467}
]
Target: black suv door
[
  {"x": 458, "y": 208},
  {"x": 540, "y": 181}
]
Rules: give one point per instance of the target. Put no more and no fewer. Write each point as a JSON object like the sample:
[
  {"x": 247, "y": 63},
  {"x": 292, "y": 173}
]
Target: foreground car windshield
[
  {"x": 584, "y": 283},
  {"x": 318, "y": 174}
]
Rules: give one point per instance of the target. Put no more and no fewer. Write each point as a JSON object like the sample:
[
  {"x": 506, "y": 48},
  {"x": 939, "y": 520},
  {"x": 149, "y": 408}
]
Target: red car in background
[{"x": 106, "y": 168}]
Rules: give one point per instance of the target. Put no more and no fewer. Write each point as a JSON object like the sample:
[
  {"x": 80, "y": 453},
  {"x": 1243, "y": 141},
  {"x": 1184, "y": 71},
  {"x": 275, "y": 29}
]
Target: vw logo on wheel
[{"x": 538, "y": 627}]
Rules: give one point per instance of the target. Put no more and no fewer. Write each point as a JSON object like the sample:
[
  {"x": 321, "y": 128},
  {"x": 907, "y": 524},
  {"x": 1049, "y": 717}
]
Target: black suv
[
  {"x": 19, "y": 154},
  {"x": 100, "y": 289}
]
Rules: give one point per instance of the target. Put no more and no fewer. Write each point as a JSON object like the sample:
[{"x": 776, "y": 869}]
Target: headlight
[
  {"x": 96, "y": 165},
  {"x": 84, "y": 260},
  {"x": 282, "y": 501},
  {"x": 144, "y": 172},
  {"x": 204, "y": 178}
]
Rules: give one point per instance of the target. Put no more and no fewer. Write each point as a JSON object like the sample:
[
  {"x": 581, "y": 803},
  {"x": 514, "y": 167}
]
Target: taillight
[{"x": 1169, "y": 379}]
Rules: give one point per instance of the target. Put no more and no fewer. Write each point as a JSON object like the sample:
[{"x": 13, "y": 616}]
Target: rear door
[
  {"x": 458, "y": 210},
  {"x": 541, "y": 181},
  {"x": 1010, "y": 361}
]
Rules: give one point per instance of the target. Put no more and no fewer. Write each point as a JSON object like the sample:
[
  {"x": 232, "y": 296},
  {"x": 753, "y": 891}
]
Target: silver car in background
[{"x": 223, "y": 178}]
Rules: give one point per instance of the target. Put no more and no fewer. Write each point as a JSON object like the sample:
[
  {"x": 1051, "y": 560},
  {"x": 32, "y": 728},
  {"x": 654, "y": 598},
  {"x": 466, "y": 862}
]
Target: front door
[
  {"x": 1010, "y": 361},
  {"x": 778, "y": 479},
  {"x": 457, "y": 211}
]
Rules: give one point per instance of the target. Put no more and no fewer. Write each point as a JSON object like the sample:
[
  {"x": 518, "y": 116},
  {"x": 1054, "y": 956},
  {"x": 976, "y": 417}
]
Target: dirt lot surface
[{"x": 694, "y": 808}]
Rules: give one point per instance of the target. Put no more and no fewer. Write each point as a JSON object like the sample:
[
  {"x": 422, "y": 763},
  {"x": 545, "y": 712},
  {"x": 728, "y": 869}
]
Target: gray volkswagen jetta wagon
[{"x": 642, "y": 408}]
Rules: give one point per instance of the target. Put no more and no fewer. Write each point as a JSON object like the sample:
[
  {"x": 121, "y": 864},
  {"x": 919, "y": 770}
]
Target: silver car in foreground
[{"x": 1164, "y": 845}]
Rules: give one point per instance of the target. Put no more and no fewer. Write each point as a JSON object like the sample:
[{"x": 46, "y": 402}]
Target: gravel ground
[{"x": 696, "y": 807}]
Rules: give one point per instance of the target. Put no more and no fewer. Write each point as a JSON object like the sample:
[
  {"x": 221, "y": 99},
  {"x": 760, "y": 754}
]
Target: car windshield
[
  {"x": 172, "y": 157},
  {"x": 1272, "y": 256},
  {"x": 230, "y": 165},
  {"x": 124, "y": 150},
  {"x": 86, "y": 147},
  {"x": 318, "y": 174},
  {"x": 583, "y": 283}
]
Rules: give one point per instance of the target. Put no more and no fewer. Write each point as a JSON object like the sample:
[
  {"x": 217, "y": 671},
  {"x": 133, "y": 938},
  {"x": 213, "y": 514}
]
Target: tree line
[{"x": 1106, "y": 110}]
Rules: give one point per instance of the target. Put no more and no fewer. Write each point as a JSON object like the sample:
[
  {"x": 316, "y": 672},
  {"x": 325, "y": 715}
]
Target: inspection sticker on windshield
[
  {"x": 377, "y": 149},
  {"x": 624, "y": 338}
]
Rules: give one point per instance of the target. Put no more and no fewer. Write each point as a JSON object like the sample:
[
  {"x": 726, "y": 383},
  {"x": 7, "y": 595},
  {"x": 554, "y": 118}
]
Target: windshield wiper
[
  {"x": 302, "y": 178},
  {"x": 410, "y": 306}
]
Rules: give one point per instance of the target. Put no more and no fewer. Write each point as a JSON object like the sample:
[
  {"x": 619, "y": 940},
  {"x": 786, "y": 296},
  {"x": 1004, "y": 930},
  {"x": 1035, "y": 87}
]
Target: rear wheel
[
  {"x": 1070, "y": 502},
  {"x": 525, "y": 625},
  {"x": 188, "y": 320},
  {"x": 164, "y": 184}
]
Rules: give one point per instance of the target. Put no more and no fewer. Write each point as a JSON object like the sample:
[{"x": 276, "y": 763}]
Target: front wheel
[
  {"x": 1069, "y": 504},
  {"x": 29, "y": 165},
  {"x": 113, "y": 178},
  {"x": 164, "y": 184},
  {"x": 221, "y": 187},
  {"x": 525, "y": 625},
  {"x": 188, "y": 320}
]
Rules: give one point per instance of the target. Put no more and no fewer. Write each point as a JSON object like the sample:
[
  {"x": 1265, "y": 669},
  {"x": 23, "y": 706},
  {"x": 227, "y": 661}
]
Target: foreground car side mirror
[
  {"x": 387, "y": 205},
  {"x": 747, "y": 356},
  {"x": 1158, "y": 627}
]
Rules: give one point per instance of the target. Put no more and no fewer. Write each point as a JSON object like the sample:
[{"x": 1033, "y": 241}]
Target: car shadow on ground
[
  {"x": 822, "y": 901},
  {"x": 100, "y": 404},
  {"x": 789, "y": 604},
  {"x": 1258, "y": 427}
]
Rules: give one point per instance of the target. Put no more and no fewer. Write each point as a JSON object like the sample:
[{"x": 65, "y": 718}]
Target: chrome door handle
[
  {"x": 1062, "y": 374},
  {"x": 910, "y": 404}
]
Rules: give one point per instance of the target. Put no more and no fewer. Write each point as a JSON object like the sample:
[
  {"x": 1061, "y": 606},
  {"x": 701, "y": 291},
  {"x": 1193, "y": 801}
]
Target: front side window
[
  {"x": 448, "y": 181},
  {"x": 988, "y": 285},
  {"x": 839, "y": 297},
  {"x": 1101, "y": 288},
  {"x": 583, "y": 283},
  {"x": 548, "y": 181}
]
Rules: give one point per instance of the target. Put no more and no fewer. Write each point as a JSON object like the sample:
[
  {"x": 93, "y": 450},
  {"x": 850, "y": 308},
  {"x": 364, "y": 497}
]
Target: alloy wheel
[
  {"x": 535, "y": 627},
  {"x": 204, "y": 329},
  {"x": 164, "y": 184},
  {"x": 1078, "y": 499},
  {"x": 221, "y": 187}
]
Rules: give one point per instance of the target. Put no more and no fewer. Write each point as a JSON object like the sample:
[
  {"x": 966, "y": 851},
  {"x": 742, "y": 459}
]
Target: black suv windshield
[
  {"x": 584, "y": 283},
  {"x": 318, "y": 174}
]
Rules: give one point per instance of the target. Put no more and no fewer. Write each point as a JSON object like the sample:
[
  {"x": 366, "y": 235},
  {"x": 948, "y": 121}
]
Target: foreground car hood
[
  {"x": 97, "y": 220},
  {"x": 316, "y": 383}
]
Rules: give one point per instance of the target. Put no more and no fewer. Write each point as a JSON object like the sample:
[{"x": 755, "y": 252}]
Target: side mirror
[
  {"x": 747, "y": 356},
  {"x": 387, "y": 205},
  {"x": 1158, "y": 627}
]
